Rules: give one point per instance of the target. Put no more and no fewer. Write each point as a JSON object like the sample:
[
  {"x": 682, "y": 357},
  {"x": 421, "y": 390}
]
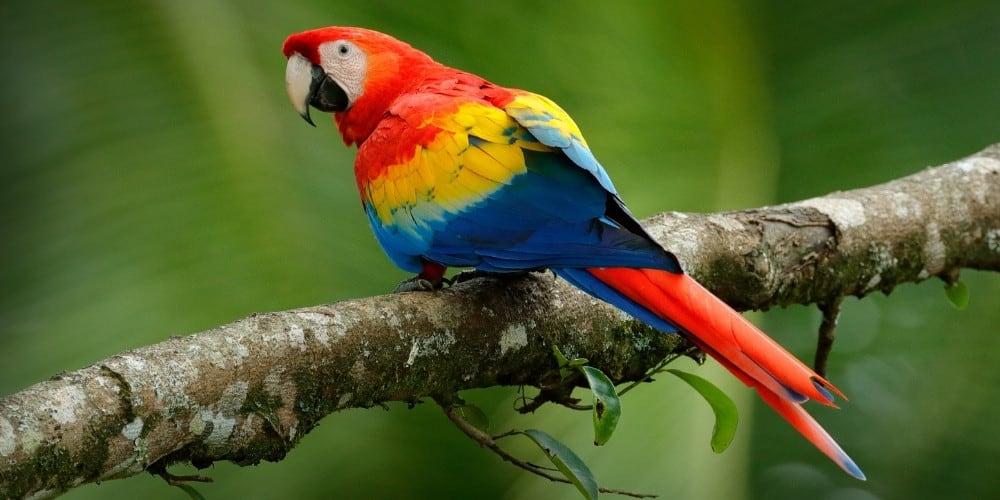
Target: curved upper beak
[{"x": 302, "y": 79}]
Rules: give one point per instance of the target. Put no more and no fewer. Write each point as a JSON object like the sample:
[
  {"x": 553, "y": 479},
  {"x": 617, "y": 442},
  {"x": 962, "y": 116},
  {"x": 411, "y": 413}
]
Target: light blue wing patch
[{"x": 553, "y": 127}]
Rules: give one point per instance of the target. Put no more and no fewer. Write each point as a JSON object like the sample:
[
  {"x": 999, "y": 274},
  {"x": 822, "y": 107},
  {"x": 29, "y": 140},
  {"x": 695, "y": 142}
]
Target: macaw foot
[
  {"x": 420, "y": 283},
  {"x": 431, "y": 278},
  {"x": 416, "y": 284},
  {"x": 472, "y": 274}
]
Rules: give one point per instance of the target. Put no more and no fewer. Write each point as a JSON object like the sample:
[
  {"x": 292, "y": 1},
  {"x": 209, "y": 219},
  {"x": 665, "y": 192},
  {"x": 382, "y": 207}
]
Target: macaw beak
[
  {"x": 308, "y": 85},
  {"x": 300, "y": 83}
]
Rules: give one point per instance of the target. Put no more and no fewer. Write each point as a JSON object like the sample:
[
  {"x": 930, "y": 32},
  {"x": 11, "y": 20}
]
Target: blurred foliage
[{"x": 157, "y": 183}]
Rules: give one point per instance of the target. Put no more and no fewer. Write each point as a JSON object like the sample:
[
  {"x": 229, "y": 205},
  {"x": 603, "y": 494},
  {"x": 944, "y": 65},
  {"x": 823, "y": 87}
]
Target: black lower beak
[{"x": 324, "y": 95}]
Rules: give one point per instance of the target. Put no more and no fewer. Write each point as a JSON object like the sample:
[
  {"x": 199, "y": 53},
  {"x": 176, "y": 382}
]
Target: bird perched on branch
[{"x": 455, "y": 171}]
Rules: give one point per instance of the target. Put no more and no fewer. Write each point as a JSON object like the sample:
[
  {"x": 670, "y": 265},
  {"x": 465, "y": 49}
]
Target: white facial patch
[{"x": 346, "y": 64}]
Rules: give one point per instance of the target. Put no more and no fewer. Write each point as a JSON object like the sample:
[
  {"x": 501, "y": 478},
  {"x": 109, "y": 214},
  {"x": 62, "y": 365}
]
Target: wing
[{"x": 459, "y": 181}]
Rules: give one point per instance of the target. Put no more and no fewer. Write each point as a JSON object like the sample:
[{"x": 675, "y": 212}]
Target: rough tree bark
[{"x": 248, "y": 391}]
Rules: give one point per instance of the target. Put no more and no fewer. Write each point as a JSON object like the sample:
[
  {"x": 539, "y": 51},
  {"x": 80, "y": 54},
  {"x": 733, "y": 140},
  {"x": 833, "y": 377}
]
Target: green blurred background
[{"x": 156, "y": 182}]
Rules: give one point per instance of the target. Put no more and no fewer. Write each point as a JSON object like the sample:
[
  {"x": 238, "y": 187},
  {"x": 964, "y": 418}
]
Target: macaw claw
[
  {"x": 471, "y": 274},
  {"x": 416, "y": 284}
]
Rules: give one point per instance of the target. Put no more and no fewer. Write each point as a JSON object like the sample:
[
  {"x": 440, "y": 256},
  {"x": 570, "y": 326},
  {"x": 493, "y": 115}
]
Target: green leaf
[
  {"x": 566, "y": 461},
  {"x": 958, "y": 294},
  {"x": 475, "y": 416},
  {"x": 726, "y": 416},
  {"x": 193, "y": 493},
  {"x": 607, "y": 405},
  {"x": 566, "y": 366}
]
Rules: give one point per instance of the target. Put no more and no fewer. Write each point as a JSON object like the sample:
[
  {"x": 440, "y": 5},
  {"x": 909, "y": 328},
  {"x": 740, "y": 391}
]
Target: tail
[{"x": 674, "y": 301}]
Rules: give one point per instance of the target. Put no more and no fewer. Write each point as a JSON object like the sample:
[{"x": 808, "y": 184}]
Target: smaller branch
[
  {"x": 561, "y": 394},
  {"x": 827, "y": 332},
  {"x": 692, "y": 352},
  {"x": 174, "y": 480},
  {"x": 489, "y": 442},
  {"x": 512, "y": 432},
  {"x": 451, "y": 411}
]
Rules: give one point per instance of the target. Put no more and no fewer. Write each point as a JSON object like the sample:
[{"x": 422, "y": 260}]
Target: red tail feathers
[{"x": 782, "y": 380}]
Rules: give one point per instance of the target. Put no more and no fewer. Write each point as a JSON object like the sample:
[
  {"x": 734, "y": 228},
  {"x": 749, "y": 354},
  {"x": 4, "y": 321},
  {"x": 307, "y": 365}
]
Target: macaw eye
[{"x": 344, "y": 49}]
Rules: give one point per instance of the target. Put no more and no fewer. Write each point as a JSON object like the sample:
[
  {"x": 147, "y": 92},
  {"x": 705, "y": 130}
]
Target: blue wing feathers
[{"x": 551, "y": 216}]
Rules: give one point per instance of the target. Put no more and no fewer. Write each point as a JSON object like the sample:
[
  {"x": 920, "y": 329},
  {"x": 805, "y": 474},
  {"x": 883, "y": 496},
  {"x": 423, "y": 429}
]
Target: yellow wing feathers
[
  {"x": 477, "y": 150},
  {"x": 537, "y": 111}
]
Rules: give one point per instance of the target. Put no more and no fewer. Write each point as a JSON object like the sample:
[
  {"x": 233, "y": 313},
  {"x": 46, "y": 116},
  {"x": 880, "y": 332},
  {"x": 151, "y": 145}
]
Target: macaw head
[{"x": 353, "y": 73}]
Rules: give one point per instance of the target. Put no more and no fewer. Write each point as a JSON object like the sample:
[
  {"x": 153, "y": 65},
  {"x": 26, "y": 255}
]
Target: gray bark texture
[{"x": 248, "y": 391}]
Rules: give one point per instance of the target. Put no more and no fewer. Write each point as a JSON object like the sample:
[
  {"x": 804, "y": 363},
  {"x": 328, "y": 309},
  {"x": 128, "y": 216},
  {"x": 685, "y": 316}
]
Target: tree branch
[
  {"x": 248, "y": 391},
  {"x": 490, "y": 442}
]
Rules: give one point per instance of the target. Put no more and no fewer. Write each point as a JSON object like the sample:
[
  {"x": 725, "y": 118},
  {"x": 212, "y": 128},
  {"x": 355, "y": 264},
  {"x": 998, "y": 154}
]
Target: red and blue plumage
[{"x": 455, "y": 171}]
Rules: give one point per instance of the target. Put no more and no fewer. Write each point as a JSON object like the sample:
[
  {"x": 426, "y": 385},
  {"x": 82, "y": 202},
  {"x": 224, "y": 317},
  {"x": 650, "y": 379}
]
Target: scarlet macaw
[{"x": 456, "y": 171}]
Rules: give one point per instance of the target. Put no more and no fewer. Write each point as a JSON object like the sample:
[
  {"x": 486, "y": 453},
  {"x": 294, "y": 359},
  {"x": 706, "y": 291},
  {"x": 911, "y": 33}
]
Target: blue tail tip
[
  {"x": 824, "y": 391},
  {"x": 852, "y": 468}
]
